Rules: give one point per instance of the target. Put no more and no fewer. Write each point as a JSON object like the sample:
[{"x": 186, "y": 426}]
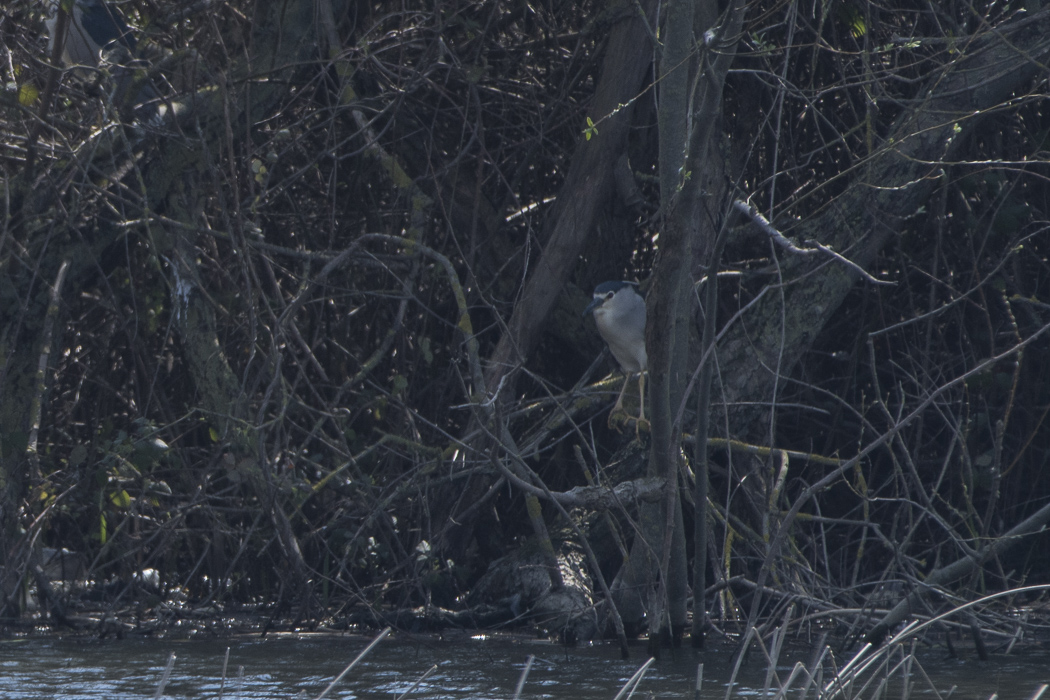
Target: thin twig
[
  {"x": 784, "y": 242},
  {"x": 524, "y": 675},
  {"x": 363, "y": 654},
  {"x": 164, "y": 676}
]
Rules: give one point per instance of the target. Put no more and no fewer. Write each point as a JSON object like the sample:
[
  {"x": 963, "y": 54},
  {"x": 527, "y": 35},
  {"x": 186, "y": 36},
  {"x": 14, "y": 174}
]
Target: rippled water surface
[{"x": 286, "y": 667}]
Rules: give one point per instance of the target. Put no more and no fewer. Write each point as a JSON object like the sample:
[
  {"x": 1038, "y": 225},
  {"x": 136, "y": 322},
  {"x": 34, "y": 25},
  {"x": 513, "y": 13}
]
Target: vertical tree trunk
[
  {"x": 657, "y": 563},
  {"x": 690, "y": 222}
]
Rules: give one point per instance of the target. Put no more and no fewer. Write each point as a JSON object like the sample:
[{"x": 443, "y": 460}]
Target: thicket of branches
[{"x": 297, "y": 284}]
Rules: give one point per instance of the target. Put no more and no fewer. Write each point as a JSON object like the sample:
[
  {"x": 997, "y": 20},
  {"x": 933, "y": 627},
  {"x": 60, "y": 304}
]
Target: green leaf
[
  {"x": 853, "y": 19},
  {"x": 591, "y": 129},
  {"x": 28, "y": 95},
  {"x": 858, "y": 27},
  {"x": 121, "y": 499}
]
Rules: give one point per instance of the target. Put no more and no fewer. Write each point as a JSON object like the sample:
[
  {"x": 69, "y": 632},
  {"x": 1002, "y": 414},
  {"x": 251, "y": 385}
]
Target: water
[{"x": 287, "y": 667}]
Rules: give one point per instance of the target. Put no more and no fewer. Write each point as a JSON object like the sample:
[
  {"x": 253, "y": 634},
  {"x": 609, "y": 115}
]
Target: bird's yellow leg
[
  {"x": 641, "y": 406},
  {"x": 641, "y": 396},
  {"x": 618, "y": 406}
]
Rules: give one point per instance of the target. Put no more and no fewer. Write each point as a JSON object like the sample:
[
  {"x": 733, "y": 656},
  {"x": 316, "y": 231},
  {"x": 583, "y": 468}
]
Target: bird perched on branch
[
  {"x": 619, "y": 313},
  {"x": 94, "y": 26},
  {"x": 95, "y": 32}
]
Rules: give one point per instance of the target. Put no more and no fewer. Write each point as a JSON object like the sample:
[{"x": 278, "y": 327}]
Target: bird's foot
[
  {"x": 619, "y": 418},
  {"x": 640, "y": 423}
]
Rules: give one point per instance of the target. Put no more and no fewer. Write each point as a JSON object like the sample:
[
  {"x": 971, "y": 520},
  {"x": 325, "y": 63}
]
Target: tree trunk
[
  {"x": 899, "y": 179},
  {"x": 687, "y": 186}
]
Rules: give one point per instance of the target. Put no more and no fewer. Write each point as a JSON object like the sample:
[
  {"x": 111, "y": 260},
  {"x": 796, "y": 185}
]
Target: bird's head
[{"x": 611, "y": 295}]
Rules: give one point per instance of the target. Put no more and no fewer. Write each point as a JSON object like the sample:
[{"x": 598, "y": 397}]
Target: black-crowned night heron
[
  {"x": 94, "y": 26},
  {"x": 619, "y": 313},
  {"x": 96, "y": 31}
]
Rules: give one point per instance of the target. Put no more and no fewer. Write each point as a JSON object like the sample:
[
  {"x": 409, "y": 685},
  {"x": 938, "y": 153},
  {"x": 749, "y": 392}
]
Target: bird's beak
[{"x": 593, "y": 305}]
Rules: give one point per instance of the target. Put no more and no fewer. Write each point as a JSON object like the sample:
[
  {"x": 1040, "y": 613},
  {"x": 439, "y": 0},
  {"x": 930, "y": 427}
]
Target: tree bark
[
  {"x": 660, "y": 541},
  {"x": 897, "y": 180},
  {"x": 658, "y": 563}
]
